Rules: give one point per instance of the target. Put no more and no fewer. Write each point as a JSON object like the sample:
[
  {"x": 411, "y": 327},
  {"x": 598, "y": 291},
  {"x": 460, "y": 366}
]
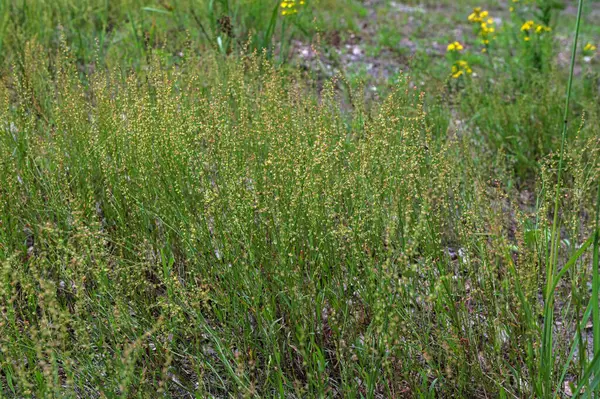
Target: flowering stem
[
  {"x": 596, "y": 284},
  {"x": 547, "y": 360}
]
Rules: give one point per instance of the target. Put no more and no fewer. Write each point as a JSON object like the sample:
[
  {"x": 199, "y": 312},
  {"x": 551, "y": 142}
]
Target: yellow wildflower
[
  {"x": 456, "y": 46},
  {"x": 485, "y": 29},
  {"x": 289, "y": 6},
  {"x": 478, "y": 15},
  {"x": 527, "y": 26},
  {"x": 460, "y": 68},
  {"x": 589, "y": 48},
  {"x": 485, "y": 23},
  {"x": 542, "y": 28}
]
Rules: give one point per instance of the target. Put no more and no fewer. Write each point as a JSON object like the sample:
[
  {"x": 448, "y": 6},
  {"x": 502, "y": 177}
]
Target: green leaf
[{"x": 156, "y": 10}]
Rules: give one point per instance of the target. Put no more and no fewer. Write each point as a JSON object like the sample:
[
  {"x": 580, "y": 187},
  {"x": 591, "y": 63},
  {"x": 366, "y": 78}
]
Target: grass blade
[
  {"x": 596, "y": 285},
  {"x": 546, "y": 358}
]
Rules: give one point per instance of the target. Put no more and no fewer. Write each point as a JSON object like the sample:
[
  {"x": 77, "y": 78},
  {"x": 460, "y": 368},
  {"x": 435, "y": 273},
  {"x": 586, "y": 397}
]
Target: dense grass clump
[
  {"x": 128, "y": 32},
  {"x": 218, "y": 229}
]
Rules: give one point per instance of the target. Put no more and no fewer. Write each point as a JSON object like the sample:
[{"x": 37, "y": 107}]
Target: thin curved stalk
[
  {"x": 596, "y": 287},
  {"x": 546, "y": 358}
]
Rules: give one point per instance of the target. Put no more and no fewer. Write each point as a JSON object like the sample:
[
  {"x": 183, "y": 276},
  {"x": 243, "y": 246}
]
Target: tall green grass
[
  {"x": 219, "y": 229},
  {"x": 595, "y": 290},
  {"x": 552, "y": 278},
  {"x": 547, "y": 355},
  {"x": 125, "y": 32}
]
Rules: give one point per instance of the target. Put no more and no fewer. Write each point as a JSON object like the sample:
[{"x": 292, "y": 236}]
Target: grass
[
  {"x": 546, "y": 365},
  {"x": 596, "y": 282},
  {"x": 222, "y": 223},
  {"x": 124, "y": 32}
]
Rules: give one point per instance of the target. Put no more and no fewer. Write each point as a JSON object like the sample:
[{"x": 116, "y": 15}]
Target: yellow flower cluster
[
  {"x": 589, "y": 48},
  {"x": 461, "y": 68},
  {"x": 487, "y": 28},
  {"x": 478, "y": 15},
  {"x": 485, "y": 24},
  {"x": 456, "y": 46},
  {"x": 289, "y": 7},
  {"x": 530, "y": 26},
  {"x": 527, "y": 26}
]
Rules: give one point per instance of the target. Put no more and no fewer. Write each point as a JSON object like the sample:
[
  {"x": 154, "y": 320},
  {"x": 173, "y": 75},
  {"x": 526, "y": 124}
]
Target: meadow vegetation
[{"x": 190, "y": 209}]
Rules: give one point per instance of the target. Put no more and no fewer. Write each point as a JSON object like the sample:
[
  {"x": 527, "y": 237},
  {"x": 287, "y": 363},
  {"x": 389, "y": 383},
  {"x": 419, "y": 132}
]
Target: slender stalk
[
  {"x": 596, "y": 284},
  {"x": 546, "y": 355}
]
